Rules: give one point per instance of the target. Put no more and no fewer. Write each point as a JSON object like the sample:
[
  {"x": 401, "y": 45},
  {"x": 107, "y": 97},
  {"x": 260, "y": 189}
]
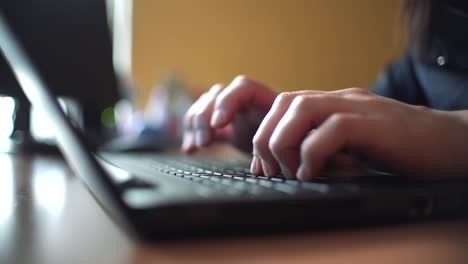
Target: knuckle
[
  {"x": 358, "y": 90},
  {"x": 422, "y": 108},
  {"x": 341, "y": 121},
  {"x": 237, "y": 86},
  {"x": 355, "y": 92},
  {"x": 305, "y": 150},
  {"x": 219, "y": 100},
  {"x": 257, "y": 140},
  {"x": 283, "y": 97},
  {"x": 202, "y": 96},
  {"x": 217, "y": 85},
  {"x": 275, "y": 146},
  {"x": 300, "y": 103},
  {"x": 260, "y": 145},
  {"x": 242, "y": 78},
  {"x": 216, "y": 88},
  {"x": 223, "y": 100},
  {"x": 192, "y": 108}
]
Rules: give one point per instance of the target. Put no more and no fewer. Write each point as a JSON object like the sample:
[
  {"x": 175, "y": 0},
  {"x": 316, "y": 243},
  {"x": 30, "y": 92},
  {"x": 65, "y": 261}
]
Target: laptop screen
[{"x": 69, "y": 140}]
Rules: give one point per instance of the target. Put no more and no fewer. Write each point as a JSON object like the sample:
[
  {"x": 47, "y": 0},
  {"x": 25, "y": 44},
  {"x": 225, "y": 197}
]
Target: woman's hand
[
  {"x": 303, "y": 130},
  {"x": 231, "y": 114}
]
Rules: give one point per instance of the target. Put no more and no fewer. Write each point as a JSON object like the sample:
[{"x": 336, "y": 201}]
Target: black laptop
[{"x": 160, "y": 196}]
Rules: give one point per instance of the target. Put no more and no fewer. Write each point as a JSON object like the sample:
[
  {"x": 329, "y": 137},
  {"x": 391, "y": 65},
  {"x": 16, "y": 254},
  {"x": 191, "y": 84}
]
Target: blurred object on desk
[{"x": 159, "y": 125}]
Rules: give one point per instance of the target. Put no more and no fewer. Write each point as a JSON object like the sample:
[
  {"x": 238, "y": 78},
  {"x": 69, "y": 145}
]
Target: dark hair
[{"x": 420, "y": 23}]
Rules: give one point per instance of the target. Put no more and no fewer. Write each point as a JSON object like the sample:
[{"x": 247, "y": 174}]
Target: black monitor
[{"x": 70, "y": 43}]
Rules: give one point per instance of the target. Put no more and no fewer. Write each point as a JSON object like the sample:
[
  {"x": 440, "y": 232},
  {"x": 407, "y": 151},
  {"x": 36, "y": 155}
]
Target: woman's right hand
[{"x": 232, "y": 114}]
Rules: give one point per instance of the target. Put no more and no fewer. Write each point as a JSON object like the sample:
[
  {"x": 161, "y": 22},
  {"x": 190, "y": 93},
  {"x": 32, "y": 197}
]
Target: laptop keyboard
[
  {"x": 234, "y": 177},
  {"x": 230, "y": 177}
]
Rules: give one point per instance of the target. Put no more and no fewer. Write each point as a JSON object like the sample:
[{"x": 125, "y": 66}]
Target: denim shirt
[{"x": 438, "y": 79}]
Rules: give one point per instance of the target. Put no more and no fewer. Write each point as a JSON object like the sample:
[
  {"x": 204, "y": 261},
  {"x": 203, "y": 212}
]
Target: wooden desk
[{"x": 47, "y": 216}]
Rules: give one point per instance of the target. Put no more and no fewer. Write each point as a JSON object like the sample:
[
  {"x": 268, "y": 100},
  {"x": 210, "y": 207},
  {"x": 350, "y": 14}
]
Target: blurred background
[
  {"x": 288, "y": 44},
  {"x": 130, "y": 69}
]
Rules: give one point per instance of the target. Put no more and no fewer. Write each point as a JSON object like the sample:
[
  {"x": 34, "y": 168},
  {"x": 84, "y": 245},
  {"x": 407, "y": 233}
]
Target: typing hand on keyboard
[
  {"x": 232, "y": 115},
  {"x": 303, "y": 130},
  {"x": 234, "y": 177}
]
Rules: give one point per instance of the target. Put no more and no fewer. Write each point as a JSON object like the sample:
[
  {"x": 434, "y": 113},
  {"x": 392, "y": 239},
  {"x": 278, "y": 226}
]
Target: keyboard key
[
  {"x": 266, "y": 183},
  {"x": 251, "y": 180},
  {"x": 292, "y": 182},
  {"x": 277, "y": 179},
  {"x": 318, "y": 187},
  {"x": 233, "y": 177},
  {"x": 285, "y": 188}
]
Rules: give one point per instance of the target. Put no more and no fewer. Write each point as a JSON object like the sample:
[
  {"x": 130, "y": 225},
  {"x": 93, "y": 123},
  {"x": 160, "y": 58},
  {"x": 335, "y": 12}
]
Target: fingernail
[
  {"x": 201, "y": 138},
  {"x": 267, "y": 169},
  {"x": 253, "y": 165},
  {"x": 218, "y": 118},
  {"x": 302, "y": 173}
]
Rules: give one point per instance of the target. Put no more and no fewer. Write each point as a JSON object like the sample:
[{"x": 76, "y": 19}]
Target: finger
[
  {"x": 342, "y": 130},
  {"x": 304, "y": 114},
  {"x": 201, "y": 118},
  {"x": 240, "y": 93},
  {"x": 266, "y": 128},
  {"x": 256, "y": 166},
  {"x": 188, "y": 143},
  {"x": 203, "y": 133},
  {"x": 262, "y": 138},
  {"x": 193, "y": 121},
  {"x": 188, "y": 117}
]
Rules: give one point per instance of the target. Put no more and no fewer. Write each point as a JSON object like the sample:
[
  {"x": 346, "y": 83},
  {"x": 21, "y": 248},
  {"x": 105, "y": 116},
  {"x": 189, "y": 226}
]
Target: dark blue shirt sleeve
[{"x": 398, "y": 81}]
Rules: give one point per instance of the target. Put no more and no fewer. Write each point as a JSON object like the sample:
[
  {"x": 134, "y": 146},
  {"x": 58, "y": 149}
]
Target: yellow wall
[{"x": 288, "y": 44}]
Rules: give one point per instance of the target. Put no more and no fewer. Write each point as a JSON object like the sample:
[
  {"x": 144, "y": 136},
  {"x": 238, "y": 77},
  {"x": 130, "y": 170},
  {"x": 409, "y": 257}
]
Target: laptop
[{"x": 158, "y": 196}]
